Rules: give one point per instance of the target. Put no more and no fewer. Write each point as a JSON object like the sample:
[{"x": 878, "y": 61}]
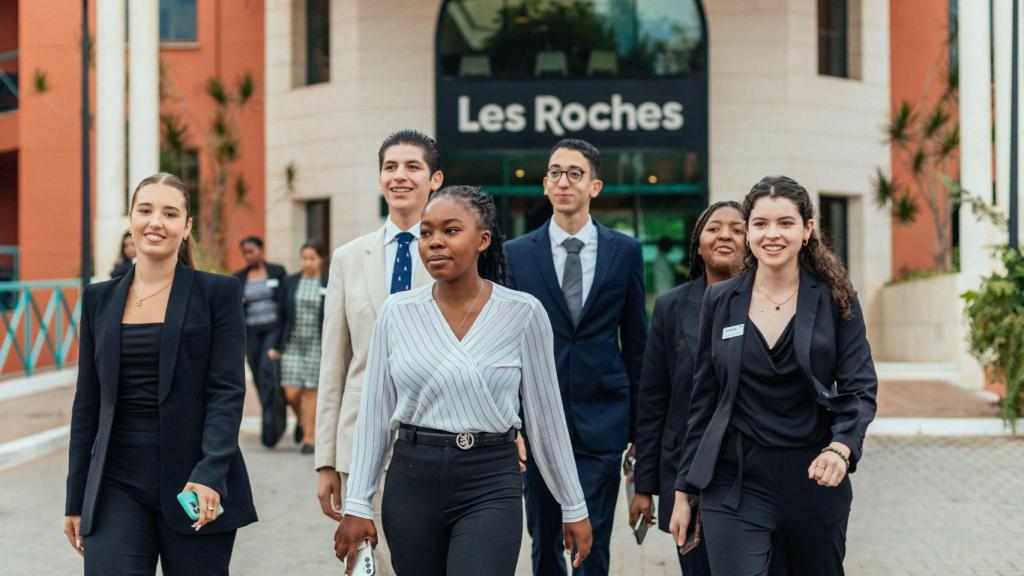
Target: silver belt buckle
[{"x": 465, "y": 440}]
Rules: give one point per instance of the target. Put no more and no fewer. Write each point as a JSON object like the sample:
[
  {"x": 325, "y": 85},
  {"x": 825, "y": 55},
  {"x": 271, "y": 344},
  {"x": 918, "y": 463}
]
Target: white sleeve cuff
[
  {"x": 358, "y": 508},
  {"x": 574, "y": 513}
]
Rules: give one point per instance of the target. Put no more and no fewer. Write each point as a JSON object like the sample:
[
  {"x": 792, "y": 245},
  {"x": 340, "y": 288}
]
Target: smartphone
[
  {"x": 190, "y": 503},
  {"x": 640, "y": 530},
  {"x": 364, "y": 560},
  {"x": 693, "y": 530}
]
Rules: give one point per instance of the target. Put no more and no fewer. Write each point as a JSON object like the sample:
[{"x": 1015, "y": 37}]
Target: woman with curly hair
[{"x": 783, "y": 394}]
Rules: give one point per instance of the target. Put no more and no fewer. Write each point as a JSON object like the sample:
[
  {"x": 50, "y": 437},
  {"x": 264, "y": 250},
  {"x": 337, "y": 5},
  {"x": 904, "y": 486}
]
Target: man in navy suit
[{"x": 590, "y": 280}]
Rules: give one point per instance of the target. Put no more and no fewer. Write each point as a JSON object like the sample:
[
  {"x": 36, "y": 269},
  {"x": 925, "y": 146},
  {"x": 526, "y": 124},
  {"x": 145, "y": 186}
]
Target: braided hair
[
  {"x": 814, "y": 257},
  {"x": 696, "y": 261},
  {"x": 491, "y": 262}
]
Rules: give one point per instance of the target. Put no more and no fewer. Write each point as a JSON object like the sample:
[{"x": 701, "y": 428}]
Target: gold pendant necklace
[
  {"x": 778, "y": 305},
  {"x": 139, "y": 299}
]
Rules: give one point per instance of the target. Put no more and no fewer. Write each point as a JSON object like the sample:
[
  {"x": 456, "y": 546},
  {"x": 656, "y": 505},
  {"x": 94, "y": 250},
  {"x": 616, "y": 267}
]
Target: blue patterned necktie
[{"x": 401, "y": 275}]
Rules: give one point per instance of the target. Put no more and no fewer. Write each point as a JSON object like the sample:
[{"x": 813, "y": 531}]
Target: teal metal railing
[
  {"x": 39, "y": 325},
  {"x": 8, "y": 83}
]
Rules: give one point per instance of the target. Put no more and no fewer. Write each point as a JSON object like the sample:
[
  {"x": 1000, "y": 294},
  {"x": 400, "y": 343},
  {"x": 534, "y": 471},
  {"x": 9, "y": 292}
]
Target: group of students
[{"x": 477, "y": 372}]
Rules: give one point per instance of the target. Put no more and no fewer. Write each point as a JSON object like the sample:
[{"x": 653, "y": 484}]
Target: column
[
  {"x": 110, "y": 138},
  {"x": 144, "y": 91},
  {"x": 975, "y": 159}
]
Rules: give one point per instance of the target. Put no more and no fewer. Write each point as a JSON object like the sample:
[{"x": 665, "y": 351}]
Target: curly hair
[
  {"x": 814, "y": 257},
  {"x": 695, "y": 260},
  {"x": 491, "y": 262}
]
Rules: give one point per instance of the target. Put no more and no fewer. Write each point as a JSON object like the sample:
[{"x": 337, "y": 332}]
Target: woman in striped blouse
[{"x": 448, "y": 365}]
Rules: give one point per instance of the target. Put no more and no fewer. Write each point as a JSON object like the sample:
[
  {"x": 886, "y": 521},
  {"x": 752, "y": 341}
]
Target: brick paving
[
  {"x": 931, "y": 399},
  {"x": 922, "y": 506}
]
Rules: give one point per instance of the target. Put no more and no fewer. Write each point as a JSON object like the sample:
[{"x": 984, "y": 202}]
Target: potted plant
[{"x": 995, "y": 316}]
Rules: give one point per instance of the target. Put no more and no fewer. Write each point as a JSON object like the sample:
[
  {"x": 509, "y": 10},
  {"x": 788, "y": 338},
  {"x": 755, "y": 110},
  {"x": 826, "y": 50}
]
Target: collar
[
  {"x": 587, "y": 234},
  {"x": 391, "y": 230}
]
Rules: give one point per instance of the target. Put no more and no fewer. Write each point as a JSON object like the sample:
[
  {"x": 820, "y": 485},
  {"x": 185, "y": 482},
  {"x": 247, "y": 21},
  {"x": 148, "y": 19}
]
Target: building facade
[{"x": 690, "y": 102}]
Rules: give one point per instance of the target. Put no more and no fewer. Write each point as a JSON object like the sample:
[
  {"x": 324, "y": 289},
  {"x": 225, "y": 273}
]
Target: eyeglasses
[{"x": 573, "y": 174}]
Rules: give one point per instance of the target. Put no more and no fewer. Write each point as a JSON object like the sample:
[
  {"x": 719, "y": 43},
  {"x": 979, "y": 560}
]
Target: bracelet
[{"x": 838, "y": 453}]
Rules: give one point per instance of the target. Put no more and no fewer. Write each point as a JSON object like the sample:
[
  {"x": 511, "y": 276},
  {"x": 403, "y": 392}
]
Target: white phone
[{"x": 364, "y": 560}]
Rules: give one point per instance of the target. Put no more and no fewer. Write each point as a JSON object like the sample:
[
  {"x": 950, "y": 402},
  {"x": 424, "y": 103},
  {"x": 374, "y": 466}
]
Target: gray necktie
[{"x": 572, "y": 277}]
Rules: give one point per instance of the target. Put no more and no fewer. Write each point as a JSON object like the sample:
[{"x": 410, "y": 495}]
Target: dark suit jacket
[
  {"x": 291, "y": 286},
  {"x": 665, "y": 387},
  {"x": 599, "y": 360},
  {"x": 833, "y": 354},
  {"x": 201, "y": 390},
  {"x": 274, "y": 272}
]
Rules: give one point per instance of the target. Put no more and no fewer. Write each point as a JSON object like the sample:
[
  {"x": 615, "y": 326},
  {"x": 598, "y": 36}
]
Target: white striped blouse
[{"x": 419, "y": 373}]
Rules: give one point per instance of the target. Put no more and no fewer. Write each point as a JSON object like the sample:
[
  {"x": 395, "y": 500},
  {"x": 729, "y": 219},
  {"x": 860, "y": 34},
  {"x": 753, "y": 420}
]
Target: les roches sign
[{"x": 485, "y": 114}]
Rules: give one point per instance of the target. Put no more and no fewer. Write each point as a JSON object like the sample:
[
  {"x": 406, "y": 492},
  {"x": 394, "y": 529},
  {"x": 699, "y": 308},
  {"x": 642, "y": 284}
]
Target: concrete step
[{"x": 941, "y": 371}]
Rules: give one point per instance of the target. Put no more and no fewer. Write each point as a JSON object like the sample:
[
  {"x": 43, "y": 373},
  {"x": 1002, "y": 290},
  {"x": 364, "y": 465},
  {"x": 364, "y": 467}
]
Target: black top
[
  {"x": 138, "y": 388},
  {"x": 774, "y": 406}
]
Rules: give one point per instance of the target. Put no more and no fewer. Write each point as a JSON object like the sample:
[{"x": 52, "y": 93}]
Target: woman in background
[
  {"x": 263, "y": 296},
  {"x": 126, "y": 257},
  {"x": 303, "y": 323}
]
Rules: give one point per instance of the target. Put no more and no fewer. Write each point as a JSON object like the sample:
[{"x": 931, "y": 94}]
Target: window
[
  {"x": 177, "y": 20},
  {"x": 318, "y": 222},
  {"x": 571, "y": 38},
  {"x": 833, "y": 40},
  {"x": 318, "y": 41},
  {"x": 835, "y": 226}
]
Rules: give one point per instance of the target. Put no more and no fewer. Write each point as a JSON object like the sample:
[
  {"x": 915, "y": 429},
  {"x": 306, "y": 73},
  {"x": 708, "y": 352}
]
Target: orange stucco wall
[
  {"x": 918, "y": 33},
  {"x": 229, "y": 41},
  {"x": 49, "y": 149}
]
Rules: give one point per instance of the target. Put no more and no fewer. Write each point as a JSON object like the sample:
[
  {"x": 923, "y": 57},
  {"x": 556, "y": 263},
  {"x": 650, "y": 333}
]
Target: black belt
[{"x": 463, "y": 440}]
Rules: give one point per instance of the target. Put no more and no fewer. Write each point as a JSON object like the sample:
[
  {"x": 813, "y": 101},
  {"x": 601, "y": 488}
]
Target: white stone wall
[{"x": 770, "y": 113}]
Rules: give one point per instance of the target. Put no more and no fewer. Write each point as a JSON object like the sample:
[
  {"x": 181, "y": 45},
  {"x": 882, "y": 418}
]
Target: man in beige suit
[{"x": 363, "y": 273}]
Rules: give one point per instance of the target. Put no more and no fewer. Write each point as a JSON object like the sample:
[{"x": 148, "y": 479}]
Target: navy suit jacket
[
  {"x": 201, "y": 390},
  {"x": 833, "y": 354},
  {"x": 665, "y": 387},
  {"x": 599, "y": 360}
]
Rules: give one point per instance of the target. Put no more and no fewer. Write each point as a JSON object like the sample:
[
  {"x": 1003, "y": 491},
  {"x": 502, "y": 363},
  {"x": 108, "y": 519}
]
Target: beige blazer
[{"x": 355, "y": 291}]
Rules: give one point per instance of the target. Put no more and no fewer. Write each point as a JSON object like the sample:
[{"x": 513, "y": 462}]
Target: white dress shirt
[
  {"x": 588, "y": 255},
  {"x": 419, "y": 373},
  {"x": 391, "y": 249}
]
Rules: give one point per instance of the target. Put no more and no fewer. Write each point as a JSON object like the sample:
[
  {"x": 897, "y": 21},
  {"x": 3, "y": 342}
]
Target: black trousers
[
  {"x": 258, "y": 340},
  {"x": 453, "y": 512},
  {"x": 599, "y": 474},
  {"x": 761, "y": 510},
  {"x": 129, "y": 535}
]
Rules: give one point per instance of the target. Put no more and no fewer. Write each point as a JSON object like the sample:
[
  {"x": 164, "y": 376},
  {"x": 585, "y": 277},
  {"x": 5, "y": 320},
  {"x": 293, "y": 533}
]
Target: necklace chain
[
  {"x": 139, "y": 299},
  {"x": 468, "y": 312},
  {"x": 778, "y": 305}
]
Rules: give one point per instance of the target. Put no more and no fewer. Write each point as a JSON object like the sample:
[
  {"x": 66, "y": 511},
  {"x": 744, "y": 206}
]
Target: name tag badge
[
  {"x": 732, "y": 331},
  {"x": 273, "y": 283}
]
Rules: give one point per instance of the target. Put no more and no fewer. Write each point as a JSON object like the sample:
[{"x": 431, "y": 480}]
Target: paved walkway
[{"x": 922, "y": 506}]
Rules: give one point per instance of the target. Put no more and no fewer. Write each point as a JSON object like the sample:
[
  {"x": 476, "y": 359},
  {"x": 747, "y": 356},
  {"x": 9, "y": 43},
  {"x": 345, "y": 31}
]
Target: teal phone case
[{"x": 190, "y": 503}]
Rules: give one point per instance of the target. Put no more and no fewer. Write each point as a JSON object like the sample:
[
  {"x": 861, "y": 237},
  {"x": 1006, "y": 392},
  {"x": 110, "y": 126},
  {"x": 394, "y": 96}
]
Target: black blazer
[
  {"x": 599, "y": 360},
  {"x": 201, "y": 390},
  {"x": 275, "y": 272},
  {"x": 833, "y": 354},
  {"x": 291, "y": 286},
  {"x": 665, "y": 387}
]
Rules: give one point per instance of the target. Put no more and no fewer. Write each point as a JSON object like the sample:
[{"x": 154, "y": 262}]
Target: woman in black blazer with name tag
[
  {"x": 158, "y": 405},
  {"x": 783, "y": 395}
]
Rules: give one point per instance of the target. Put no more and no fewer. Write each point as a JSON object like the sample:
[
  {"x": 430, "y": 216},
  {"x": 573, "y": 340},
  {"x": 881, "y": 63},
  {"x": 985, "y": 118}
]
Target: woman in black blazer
[
  {"x": 263, "y": 297},
  {"x": 784, "y": 392},
  {"x": 301, "y": 330},
  {"x": 158, "y": 405},
  {"x": 716, "y": 254}
]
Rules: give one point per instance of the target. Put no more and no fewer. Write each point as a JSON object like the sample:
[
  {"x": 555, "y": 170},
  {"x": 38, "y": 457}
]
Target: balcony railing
[
  {"x": 8, "y": 82},
  {"x": 40, "y": 327}
]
